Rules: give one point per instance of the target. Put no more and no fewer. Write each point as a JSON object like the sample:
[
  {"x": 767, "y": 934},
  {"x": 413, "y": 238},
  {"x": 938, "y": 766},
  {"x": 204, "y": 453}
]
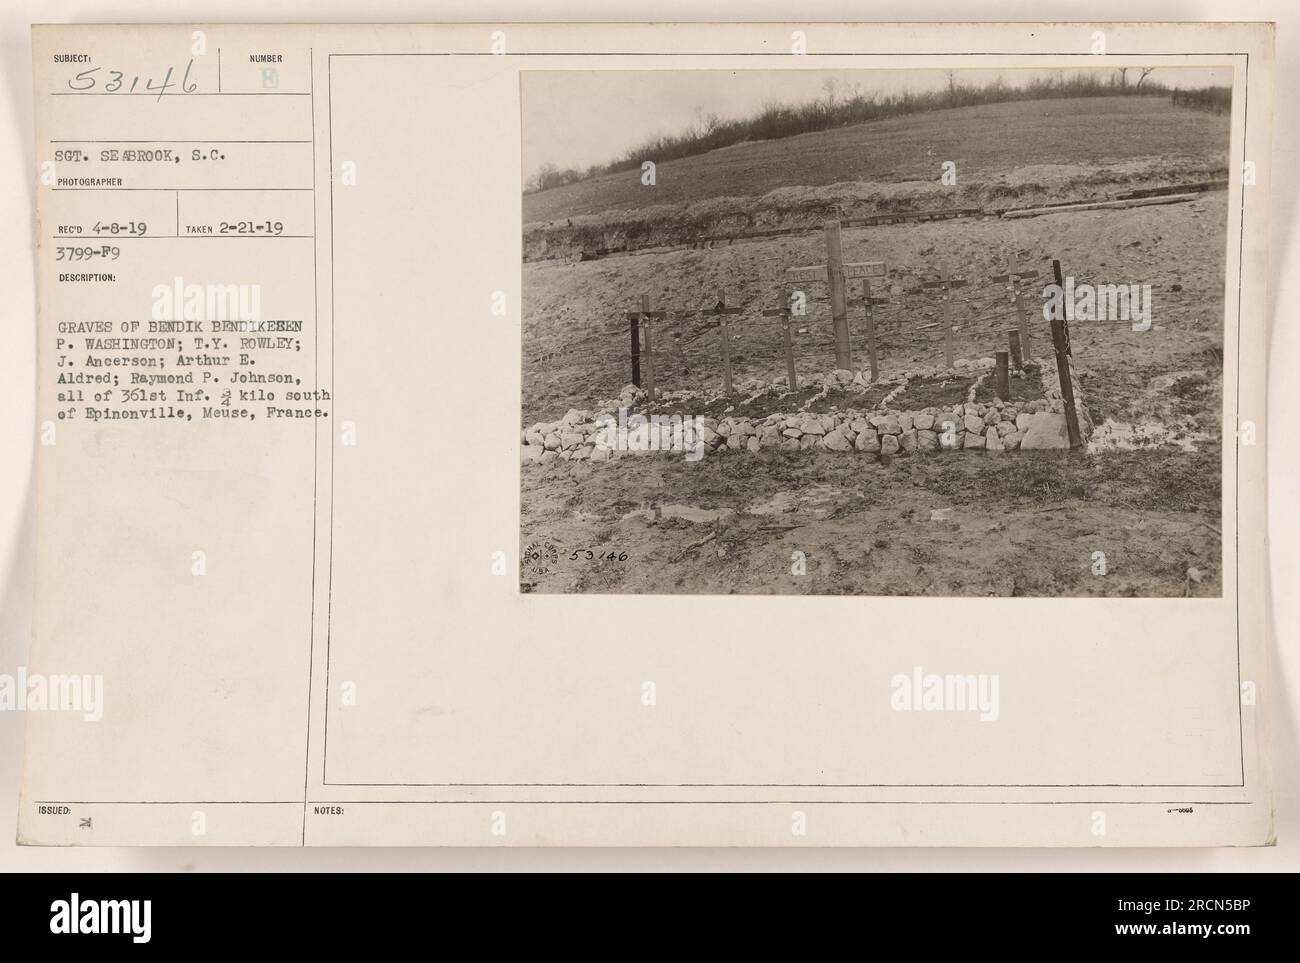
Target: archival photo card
[
  {"x": 945, "y": 331},
  {"x": 650, "y": 435}
]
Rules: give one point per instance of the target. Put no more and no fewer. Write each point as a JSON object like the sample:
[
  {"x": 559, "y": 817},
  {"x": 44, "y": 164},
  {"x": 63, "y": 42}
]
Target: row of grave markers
[
  {"x": 642, "y": 332},
  {"x": 836, "y": 273},
  {"x": 1020, "y": 346}
]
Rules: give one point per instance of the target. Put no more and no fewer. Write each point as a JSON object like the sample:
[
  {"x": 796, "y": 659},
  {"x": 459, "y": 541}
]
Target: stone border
[{"x": 611, "y": 433}]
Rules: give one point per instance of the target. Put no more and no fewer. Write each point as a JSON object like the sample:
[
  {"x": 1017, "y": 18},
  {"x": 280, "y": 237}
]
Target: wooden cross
[
  {"x": 946, "y": 283},
  {"x": 834, "y": 272},
  {"x": 1014, "y": 274},
  {"x": 867, "y": 301},
  {"x": 721, "y": 312},
  {"x": 1013, "y": 278},
  {"x": 782, "y": 311},
  {"x": 644, "y": 317}
]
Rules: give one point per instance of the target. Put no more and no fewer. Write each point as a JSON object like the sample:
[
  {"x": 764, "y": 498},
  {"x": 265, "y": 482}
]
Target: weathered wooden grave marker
[
  {"x": 1061, "y": 342},
  {"x": 1013, "y": 278},
  {"x": 834, "y": 272},
  {"x": 644, "y": 319},
  {"x": 782, "y": 311},
  {"x": 946, "y": 283},
  {"x": 721, "y": 312},
  {"x": 1013, "y": 346},
  {"x": 634, "y": 326},
  {"x": 867, "y": 301}
]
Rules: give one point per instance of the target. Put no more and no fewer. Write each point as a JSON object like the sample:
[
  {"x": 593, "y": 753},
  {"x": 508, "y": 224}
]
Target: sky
[{"x": 582, "y": 117}]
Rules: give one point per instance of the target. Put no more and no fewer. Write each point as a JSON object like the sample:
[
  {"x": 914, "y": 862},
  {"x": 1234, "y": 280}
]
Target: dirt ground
[
  {"x": 1015, "y": 524},
  {"x": 576, "y": 342},
  {"x": 1146, "y": 493}
]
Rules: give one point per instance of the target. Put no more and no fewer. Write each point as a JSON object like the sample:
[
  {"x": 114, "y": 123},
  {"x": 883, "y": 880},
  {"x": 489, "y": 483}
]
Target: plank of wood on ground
[{"x": 1099, "y": 205}]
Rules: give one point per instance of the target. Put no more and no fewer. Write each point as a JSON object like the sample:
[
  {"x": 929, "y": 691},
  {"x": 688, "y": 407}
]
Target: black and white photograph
[{"x": 927, "y": 332}]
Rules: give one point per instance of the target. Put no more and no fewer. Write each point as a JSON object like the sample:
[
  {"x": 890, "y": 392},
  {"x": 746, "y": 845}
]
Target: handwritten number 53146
[{"x": 119, "y": 83}]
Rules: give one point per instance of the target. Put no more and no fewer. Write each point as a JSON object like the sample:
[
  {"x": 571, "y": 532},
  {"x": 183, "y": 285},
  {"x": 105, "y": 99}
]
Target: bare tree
[
  {"x": 545, "y": 176},
  {"x": 1143, "y": 74},
  {"x": 828, "y": 86}
]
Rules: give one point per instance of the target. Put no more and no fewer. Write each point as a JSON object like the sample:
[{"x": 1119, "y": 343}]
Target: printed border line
[
  {"x": 645, "y": 802},
  {"x": 786, "y": 785},
  {"x": 1236, "y": 421},
  {"x": 315, "y": 441},
  {"x": 1237, "y": 468}
]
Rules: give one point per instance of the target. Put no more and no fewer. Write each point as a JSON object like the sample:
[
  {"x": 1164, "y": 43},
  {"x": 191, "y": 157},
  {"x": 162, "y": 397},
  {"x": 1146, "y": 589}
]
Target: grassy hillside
[{"x": 985, "y": 142}]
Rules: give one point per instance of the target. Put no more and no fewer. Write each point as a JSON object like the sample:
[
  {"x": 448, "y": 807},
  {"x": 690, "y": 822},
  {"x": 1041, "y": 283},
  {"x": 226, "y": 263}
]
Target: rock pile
[{"x": 582, "y": 435}]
